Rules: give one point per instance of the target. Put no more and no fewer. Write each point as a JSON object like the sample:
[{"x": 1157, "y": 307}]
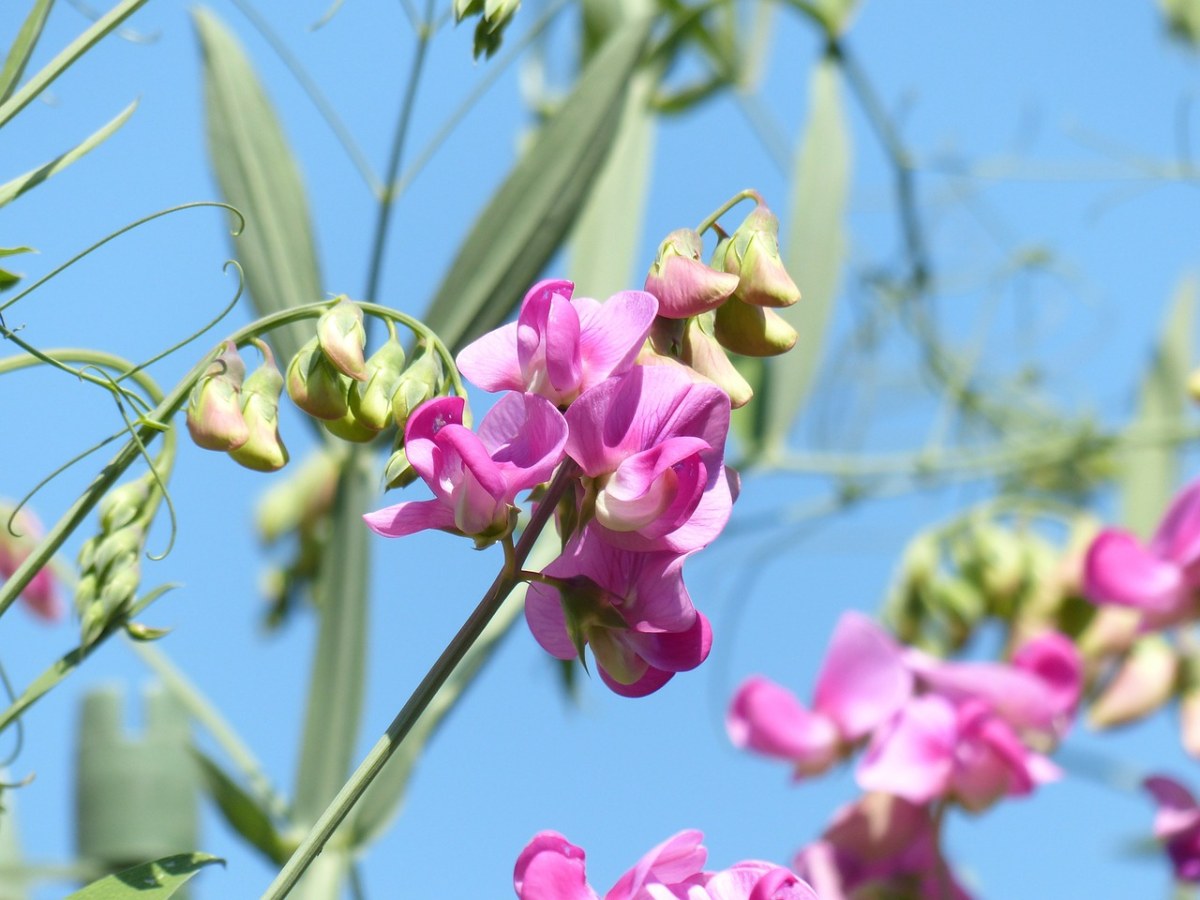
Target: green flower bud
[
  {"x": 264, "y": 450},
  {"x": 371, "y": 401},
  {"x": 315, "y": 385},
  {"x": 1143, "y": 683},
  {"x": 122, "y": 505},
  {"x": 421, "y": 381},
  {"x": 399, "y": 472},
  {"x": 87, "y": 554},
  {"x": 117, "y": 546},
  {"x": 752, "y": 330},
  {"x": 683, "y": 284},
  {"x": 87, "y": 590},
  {"x": 214, "y": 413},
  {"x": 752, "y": 254},
  {"x": 342, "y": 338},
  {"x": 706, "y": 357},
  {"x": 348, "y": 428}
]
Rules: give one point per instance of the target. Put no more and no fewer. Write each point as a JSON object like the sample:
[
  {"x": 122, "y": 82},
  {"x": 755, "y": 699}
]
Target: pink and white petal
[
  {"x": 757, "y": 880},
  {"x": 410, "y": 517},
  {"x": 490, "y": 362},
  {"x": 767, "y": 718},
  {"x": 612, "y": 333},
  {"x": 913, "y": 757},
  {"x": 700, "y": 529},
  {"x": 1177, "y": 538},
  {"x": 1019, "y": 696},
  {"x": 455, "y": 441},
  {"x": 863, "y": 680},
  {"x": 561, "y": 341},
  {"x": 551, "y": 868},
  {"x": 644, "y": 686},
  {"x": 675, "y": 860},
  {"x": 1177, "y": 810},
  {"x": 1118, "y": 569}
]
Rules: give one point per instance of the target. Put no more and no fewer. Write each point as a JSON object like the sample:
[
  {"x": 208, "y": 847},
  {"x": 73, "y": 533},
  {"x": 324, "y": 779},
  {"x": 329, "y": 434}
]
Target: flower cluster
[
  {"x": 552, "y": 868},
  {"x": 641, "y": 448}
]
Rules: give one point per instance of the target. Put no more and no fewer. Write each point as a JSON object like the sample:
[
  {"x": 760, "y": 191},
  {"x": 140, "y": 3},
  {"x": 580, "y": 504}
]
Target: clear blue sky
[{"x": 1030, "y": 89}]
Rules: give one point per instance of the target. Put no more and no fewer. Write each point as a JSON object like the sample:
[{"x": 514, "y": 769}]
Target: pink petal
[
  {"x": 546, "y": 621},
  {"x": 914, "y": 757},
  {"x": 1054, "y": 660},
  {"x": 699, "y": 530},
  {"x": 1117, "y": 569},
  {"x": 548, "y": 341},
  {"x": 756, "y": 880},
  {"x": 612, "y": 333},
  {"x": 422, "y": 428},
  {"x": 767, "y": 718},
  {"x": 1177, "y": 539},
  {"x": 991, "y": 762},
  {"x": 675, "y": 651},
  {"x": 410, "y": 517},
  {"x": 643, "y": 687},
  {"x": 1177, "y": 810},
  {"x": 863, "y": 680},
  {"x": 674, "y": 860},
  {"x": 525, "y": 435},
  {"x": 653, "y": 492},
  {"x": 551, "y": 868},
  {"x": 490, "y": 362}
]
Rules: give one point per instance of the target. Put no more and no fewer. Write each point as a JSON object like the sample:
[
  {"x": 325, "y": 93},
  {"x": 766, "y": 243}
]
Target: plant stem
[
  {"x": 711, "y": 220},
  {"x": 377, "y": 758}
]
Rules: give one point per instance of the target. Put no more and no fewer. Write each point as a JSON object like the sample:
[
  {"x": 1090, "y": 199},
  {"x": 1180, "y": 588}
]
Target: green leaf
[
  {"x": 530, "y": 215},
  {"x": 22, "y": 48},
  {"x": 7, "y": 278},
  {"x": 335, "y": 693},
  {"x": 241, "y": 810},
  {"x": 815, "y": 253},
  {"x": 1150, "y": 468},
  {"x": 258, "y": 174},
  {"x": 383, "y": 798},
  {"x": 68, "y": 55},
  {"x": 835, "y": 14},
  {"x": 19, "y": 185},
  {"x": 150, "y": 881}
]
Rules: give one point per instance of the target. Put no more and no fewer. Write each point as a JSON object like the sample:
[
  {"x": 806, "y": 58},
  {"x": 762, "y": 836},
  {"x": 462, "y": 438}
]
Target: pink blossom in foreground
[
  {"x": 475, "y": 477},
  {"x": 559, "y": 346},
  {"x": 1160, "y": 578},
  {"x": 631, "y": 608},
  {"x": 41, "y": 594},
  {"x": 862, "y": 684},
  {"x": 552, "y": 868},
  {"x": 879, "y": 846},
  {"x": 651, "y": 445},
  {"x": 1177, "y": 825}
]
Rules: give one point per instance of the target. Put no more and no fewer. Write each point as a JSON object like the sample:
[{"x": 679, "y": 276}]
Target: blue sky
[{"x": 1053, "y": 109}]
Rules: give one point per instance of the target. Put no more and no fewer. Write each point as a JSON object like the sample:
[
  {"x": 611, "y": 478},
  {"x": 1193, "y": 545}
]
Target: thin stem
[
  {"x": 748, "y": 194},
  {"x": 314, "y": 842}
]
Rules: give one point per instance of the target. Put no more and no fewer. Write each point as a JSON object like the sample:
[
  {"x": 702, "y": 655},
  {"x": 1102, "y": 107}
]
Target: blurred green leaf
[
  {"x": 530, "y": 215},
  {"x": 7, "y": 278},
  {"x": 22, "y": 48},
  {"x": 815, "y": 253},
  {"x": 1182, "y": 19},
  {"x": 835, "y": 13},
  {"x": 1150, "y": 468},
  {"x": 242, "y": 811},
  {"x": 149, "y": 881},
  {"x": 335, "y": 693},
  {"x": 258, "y": 175},
  {"x": 20, "y": 98},
  {"x": 13, "y": 189}
]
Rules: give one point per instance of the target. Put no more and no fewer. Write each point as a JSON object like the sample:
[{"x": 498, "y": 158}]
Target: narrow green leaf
[
  {"x": 530, "y": 215},
  {"x": 150, "y": 881},
  {"x": 22, "y": 48},
  {"x": 13, "y": 189},
  {"x": 836, "y": 13},
  {"x": 815, "y": 253},
  {"x": 335, "y": 692},
  {"x": 68, "y": 55},
  {"x": 258, "y": 174},
  {"x": 383, "y": 798},
  {"x": 241, "y": 810},
  {"x": 1150, "y": 468}
]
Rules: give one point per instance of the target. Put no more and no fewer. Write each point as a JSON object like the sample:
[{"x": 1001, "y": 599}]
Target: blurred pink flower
[
  {"x": 41, "y": 594},
  {"x": 1160, "y": 578},
  {"x": 559, "y": 346},
  {"x": 1177, "y": 825},
  {"x": 476, "y": 477}
]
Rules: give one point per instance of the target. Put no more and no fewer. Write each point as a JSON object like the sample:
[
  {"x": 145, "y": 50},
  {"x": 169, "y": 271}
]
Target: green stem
[
  {"x": 748, "y": 194},
  {"x": 508, "y": 578}
]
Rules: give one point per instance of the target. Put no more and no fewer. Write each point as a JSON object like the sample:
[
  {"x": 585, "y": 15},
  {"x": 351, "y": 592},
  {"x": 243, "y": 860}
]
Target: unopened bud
[
  {"x": 706, "y": 357},
  {"x": 348, "y": 428},
  {"x": 752, "y": 330},
  {"x": 371, "y": 401},
  {"x": 264, "y": 450},
  {"x": 421, "y": 381},
  {"x": 214, "y": 413},
  {"x": 122, "y": 505},
  {"x": 681, "y": 281},
  {"x": 119, "y": 545},
  {"x": 1143, "y": 683},
  {"x": 315, "y": 385},
  {"x": 399, "y": 472},
  {"x": 752, "y": 254},
  {"x": 342, "y": 338}
]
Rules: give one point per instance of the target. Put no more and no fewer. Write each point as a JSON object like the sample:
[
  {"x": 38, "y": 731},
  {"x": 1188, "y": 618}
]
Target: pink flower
[
  {"x": 560, "y": 347},
  {"x": 1177, "y": 824},
  {"x": 651, "y": 445},
  {"x": 862, "y": 684},
  {"x": 632, "y": 608},
  {"x": 41, "y": 593},
  {"x": 1159, "y": 579},
  {"x": 476, "y": 477},
  {"x": 552, "y": 868}
]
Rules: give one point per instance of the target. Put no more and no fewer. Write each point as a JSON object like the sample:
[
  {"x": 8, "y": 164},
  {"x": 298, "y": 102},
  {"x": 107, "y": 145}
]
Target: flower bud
[
  {"x": 1143, "y": 683},
  {"x": 87, "y": 589},
  {"x": 264, "y": 450},
  {"x": 315, "y": 385},
  {"x": 683, "y": 284},
  {"x": 371, "y": 401},
  {"x": 122, "y": 505},
  {"x": 706, "y": 357},
  {"x": 752, "y": 330},
  {"x": 214, "y": 413},
  {"x": 399, "y": 472},
  {"x": 348, "y": 428},
  {"x": 752, "y": 253},
  {"x": 421, "y": 381},
  {"x": 116, "y": 546},
  {"x": 342, "y": 338}
]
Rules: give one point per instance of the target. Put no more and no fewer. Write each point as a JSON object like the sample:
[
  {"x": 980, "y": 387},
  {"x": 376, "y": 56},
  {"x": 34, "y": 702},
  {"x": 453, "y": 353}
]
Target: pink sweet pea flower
[
  {"x": 41, "y": 594},
  {"x": 862, "y": 684},
  {"x": 651, "y": 445},
  {"x": 552, "y": 868},
  {"x": 1177, "y": 825},
  {"x": 476, "y": 477},
  {"x": 632, "y": 608},
  {"x": 1159, "y": 579},
  {"x": 560, "y": 347}
]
